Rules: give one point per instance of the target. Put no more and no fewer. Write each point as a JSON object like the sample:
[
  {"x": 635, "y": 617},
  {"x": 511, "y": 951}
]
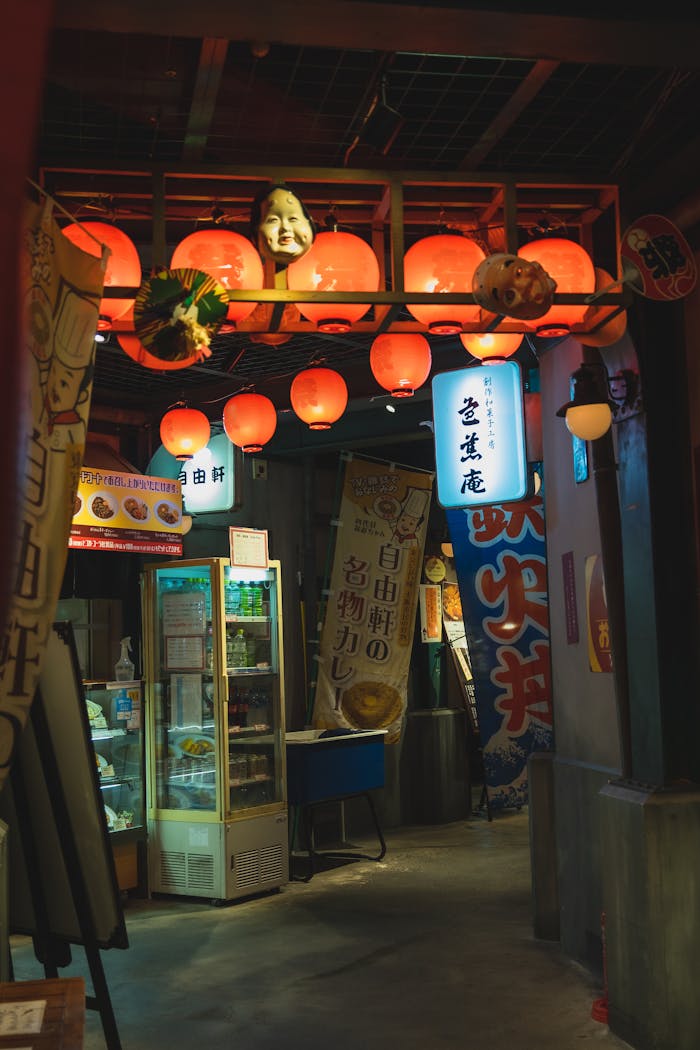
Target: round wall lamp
[{"x": 589, "y": 413}]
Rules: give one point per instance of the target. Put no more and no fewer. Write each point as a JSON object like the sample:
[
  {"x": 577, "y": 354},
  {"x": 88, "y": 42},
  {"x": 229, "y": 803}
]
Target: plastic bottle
[
  {"x": 124, "y": 667},
  {"x": 239, "y": 650}
]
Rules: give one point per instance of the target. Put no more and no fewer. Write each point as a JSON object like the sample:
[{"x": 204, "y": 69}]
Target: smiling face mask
[
  {"x": 284, "y": 232},
  {"x": 507, "y": 284}
]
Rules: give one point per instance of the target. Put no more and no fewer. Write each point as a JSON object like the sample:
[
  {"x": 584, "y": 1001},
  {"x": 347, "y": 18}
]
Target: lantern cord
[{"x": 59, "y": 207}]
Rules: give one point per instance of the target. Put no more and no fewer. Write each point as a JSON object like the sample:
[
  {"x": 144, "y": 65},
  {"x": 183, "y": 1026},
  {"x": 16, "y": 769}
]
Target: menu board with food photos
[{"x": 127, "y": 512}]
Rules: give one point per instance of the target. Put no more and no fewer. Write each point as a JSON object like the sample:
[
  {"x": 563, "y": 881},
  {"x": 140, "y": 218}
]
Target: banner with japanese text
[
  {"x": 117, "y": 511},
  {"x": 61, "y": 287},
  {"x": 500, "y": 558},
  {"x": 370, "y": 616}
]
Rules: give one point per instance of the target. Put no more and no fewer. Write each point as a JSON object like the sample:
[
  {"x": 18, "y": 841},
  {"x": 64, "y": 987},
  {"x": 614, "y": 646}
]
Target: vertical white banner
[{"x": 367, "y": 636}]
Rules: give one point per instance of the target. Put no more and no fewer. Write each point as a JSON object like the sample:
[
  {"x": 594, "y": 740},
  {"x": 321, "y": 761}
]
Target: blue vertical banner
[{"x": 500, "y": 559}]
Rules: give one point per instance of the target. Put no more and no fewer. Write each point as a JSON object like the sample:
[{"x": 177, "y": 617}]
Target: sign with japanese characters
[
  {"x": 479, "y": 430},
  {"x": 61, "y": 290},
  {"x": 657, "y": 259},
  {"x": 501, "y": 568},
  {"x": 599, "y": 642},
  {"x": 208, "y": 478},
  {"x": 116, "y": 511},
  {"x": 370, "y": 612}
]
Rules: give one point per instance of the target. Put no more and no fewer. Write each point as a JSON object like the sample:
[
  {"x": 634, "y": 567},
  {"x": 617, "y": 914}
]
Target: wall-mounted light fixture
[{"x": 599, "y": 400}]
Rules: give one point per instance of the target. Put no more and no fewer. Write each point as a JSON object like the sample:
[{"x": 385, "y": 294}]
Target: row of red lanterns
[{"x": 340, "y": 261}]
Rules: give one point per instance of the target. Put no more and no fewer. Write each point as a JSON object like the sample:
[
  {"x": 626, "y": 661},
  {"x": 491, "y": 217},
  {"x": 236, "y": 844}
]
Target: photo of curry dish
[
  {"x": 371, "y": 705},
  {"x": 77, "y": 504},
  {"x": 451, "y": 602},
  {"x": 101, "y": 508},
  {"x": 136, "y": 508},
  {"x": 167, "y": 513}
]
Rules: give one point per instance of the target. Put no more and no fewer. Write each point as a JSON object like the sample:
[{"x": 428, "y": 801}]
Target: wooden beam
[
  {"x": 663, "y": 41},
  {"x": 212, "y": 59}
]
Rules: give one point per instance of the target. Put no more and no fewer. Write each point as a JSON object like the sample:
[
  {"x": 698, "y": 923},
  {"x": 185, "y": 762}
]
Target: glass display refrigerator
[
  {"x": 115, "y": 716},
  {"x": 216, "y": 779}
]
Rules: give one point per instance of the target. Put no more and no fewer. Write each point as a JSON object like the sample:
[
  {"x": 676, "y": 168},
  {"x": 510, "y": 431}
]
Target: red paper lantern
[
  {"x": 491, "y": 346},
  {"x": 572, "y": 268},
  {"x": 608, "y": 333},
  {"x": 226, "y": 256},
  {"x": 250, "y": 420},
  {"x": 184, "y": 431},
  {"x": 400, "y": 363},
  {"x": 444, "y": 262},
  {"x": 319, "y": 397},
  {"x": 335, "y": 262},
  {"x": 123, "y": 265}
]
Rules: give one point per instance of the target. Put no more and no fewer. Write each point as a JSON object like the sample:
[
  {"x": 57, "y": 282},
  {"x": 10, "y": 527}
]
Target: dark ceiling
[{"x": 279, "y": 89}]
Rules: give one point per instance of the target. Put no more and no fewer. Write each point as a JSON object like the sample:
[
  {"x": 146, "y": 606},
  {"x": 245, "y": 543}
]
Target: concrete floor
[{"x": 429, "y": 949}]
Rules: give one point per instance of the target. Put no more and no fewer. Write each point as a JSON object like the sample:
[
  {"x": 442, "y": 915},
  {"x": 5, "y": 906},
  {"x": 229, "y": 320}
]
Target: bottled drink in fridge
[{"x": 239, "y": 650}]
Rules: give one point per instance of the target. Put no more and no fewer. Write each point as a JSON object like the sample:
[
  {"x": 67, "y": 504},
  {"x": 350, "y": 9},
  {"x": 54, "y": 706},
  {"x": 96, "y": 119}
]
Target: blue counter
[{"x": 321, "y": 768}]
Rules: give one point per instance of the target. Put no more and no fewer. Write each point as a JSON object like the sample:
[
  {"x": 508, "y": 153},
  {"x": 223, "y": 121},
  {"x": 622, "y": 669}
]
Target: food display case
[
  {"x": 115, "y": 716},
  {"x": 216, "y": 780}
]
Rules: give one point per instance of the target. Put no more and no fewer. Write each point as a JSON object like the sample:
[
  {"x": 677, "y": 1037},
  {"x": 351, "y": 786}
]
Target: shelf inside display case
[{"x": 116, "y": 730}]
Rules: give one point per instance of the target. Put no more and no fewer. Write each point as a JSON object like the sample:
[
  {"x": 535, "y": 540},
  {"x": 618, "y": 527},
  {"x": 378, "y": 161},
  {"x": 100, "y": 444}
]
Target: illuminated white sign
[
  {"x": 479, "y": 431},
  {"x": 207, "y": 479}
]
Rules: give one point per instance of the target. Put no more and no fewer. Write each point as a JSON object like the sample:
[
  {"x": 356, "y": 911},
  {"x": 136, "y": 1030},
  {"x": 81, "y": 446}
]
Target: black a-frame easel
[{"x": 63, "y": 888}]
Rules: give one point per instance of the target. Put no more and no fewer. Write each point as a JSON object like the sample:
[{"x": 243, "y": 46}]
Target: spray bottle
[{"x": 124, "y": 667}]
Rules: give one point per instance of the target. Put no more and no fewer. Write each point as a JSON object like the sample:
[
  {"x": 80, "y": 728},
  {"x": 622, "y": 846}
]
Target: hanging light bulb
[
  {"x": 400, "y": 363},
  {"x": 491, "y": 346},
  {"x": 184, "y": 431},
  {"x": 335, "y": 262},
  {"x": 572, "y": 268},
  {"x": 226, "y": 256},
  {"x": 123, "y": 265},
  {"x": 444, "y": 262},
  {"x": 249, "y": 420},
  {"x": 589, "y": 413},
  {"x": 319, "y": 397}
]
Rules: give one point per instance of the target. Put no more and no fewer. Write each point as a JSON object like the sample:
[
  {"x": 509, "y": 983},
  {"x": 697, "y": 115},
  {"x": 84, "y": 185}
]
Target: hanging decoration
[
  {"x": 657, "y": 261},
  {"x": 226, "y": 256},
  {"x": 444, "y": 262},
  {"x": 506, "y": 284},
  {"x": 123, "y": 265},
  {"x": 606, "y": 332},
  {"x": 134, "y": 348},
  {"x": 491, "y": 346},
  {"x": 249, "y": 420},
  {"x": 319, "y": 397},
  {"x": 571, "y": 267},
  {"x": 177, "y": 312},
  {"x": 184, "y": 431},
  {"x": 400, "y": 363},
  {"x": 336, "y": 262}
]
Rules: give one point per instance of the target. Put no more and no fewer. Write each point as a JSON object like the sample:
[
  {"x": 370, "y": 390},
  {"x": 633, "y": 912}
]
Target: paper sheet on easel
[{"x": 22, "y": 1017}]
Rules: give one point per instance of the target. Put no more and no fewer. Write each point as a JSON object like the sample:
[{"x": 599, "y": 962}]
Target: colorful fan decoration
[{"x": 177, "y": 312}]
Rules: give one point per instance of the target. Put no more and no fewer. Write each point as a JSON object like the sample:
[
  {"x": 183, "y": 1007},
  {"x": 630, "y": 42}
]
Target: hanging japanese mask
[{"x": 516, "y": 287}]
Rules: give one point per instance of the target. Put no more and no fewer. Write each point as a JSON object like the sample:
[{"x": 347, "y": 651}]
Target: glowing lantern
[
  {"x": 400, "y": 363},
  {"x": 250, "y": 420},
  {"x": 184, "y": 432},
  {"x": 491, "y": 346},
  {"x": 607, "y": 333},
  {"x": 336, "y": 262},
  {"x": 319, "y": 397},
  {"x": 572, "y": 268},
  {"x": 226, "y": 256},
  {"x": 123, "y": 265},
  {"x": 443, "y": 263}
]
